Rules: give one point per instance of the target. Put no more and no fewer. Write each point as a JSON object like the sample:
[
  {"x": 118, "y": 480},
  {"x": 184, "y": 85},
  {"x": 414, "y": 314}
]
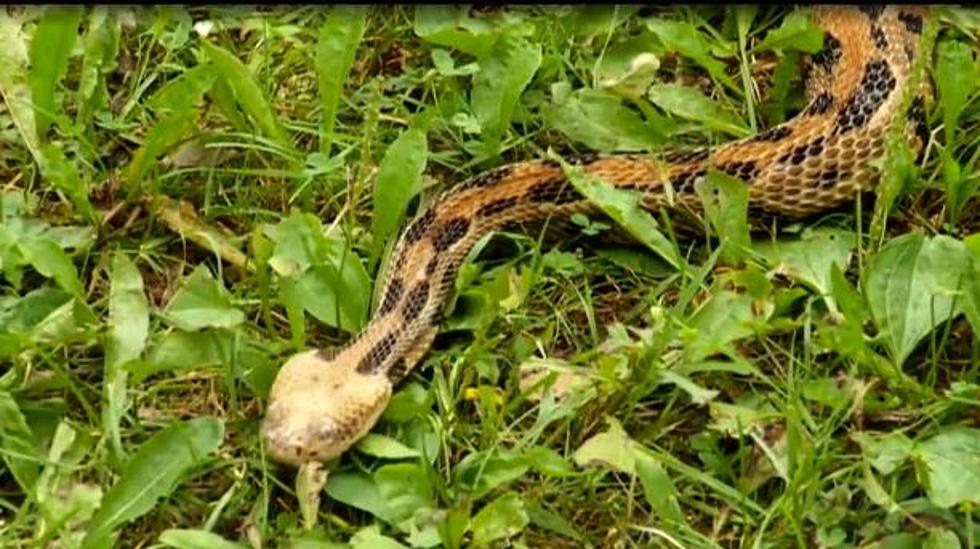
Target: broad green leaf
[
  {"x": 185, "y": 538},
  {"x": 726, "y": 318},
  {"x": 410, "y": 401},
  {"x": 501, "y": 518},
  {"x": 911, "y": 285},
  {"x": 180, "y": 350},
  {"x": 599, "y": 120},
  {"x": 405, "y": 488},
  {"x": 360, "y": 491},
  {"x": 452, "y": 26},
  {"x": 957, "y": 73},
  {"x": 339, "y": 299},
  {"x": 299, "y": 245},
  {"x": 683, "y": 38},
  {"x": 612, "y": 449},
  {"x": 699, "y": 395},
  {"x": 544, "y": 518},
  {"x": 726, "y": 200},
  {"x": 202, "y": 302},
  {"x": 101, "y": 46},
  {"x": 446, "y": 66},
  {"x": 51, "y": 261},
  {"x": 691, "y": 104},
  {"x": 15, "y": 90},
  {"x": 628, "y": 68},
  {"x": 504, "y": 73},
  {"x": 50, "y": 49},
  {"x": 948, "y": 465},
  {"x": 156, "y": 469},
  {"x": 398, "y": 181},
  {"x": 182, "y": 94},
  {"x": 658, "y": 487},
  {"x": 128, "y": 327},
  {"x": 941, "y": 538},
  {"x": 64, "y": 325},
  {"x": 320, "y": 274},
  {"x": 740, "y": 419},
  {"x": 161, "y": 137},
  {"x": 63, "y": 175},
  {"x": 971, "y": 299},
  {"x": 337, "y": 42},
  {"x": 956, "y": 78},
  {"x": 17, "y": 444},
  {"x": 385, "y": 447},
  {"x": 597, "y": 19},
  {"x": 371, "y": 538},
  {"x": 809, "y": 259},
  {"x": 796, "y": 32},
  {"x": 548, "y": 462},
  {"x": 624, "y": 208},
  {"x": 247, "y": 92},
  {"x": 481, "y": 472},
  {"x": 25, "y": 313},
  {"x": 885, "y": 452}
]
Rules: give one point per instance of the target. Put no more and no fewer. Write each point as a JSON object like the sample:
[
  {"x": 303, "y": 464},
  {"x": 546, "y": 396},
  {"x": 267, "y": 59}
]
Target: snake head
[{"x": 319, "y": 408}]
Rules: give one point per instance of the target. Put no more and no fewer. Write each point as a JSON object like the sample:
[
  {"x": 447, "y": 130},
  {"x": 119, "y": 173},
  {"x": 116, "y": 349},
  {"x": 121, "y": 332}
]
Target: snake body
[{"x": 321, "y": 403}]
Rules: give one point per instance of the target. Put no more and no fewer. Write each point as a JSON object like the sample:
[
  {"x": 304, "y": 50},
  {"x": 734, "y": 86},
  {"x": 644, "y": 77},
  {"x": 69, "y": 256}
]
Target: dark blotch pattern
[
  {"x": 555, "y": 191},
  {"x": 829, "y": 55},
  {"x": 583, "y": 159},
  {"x": 486, "y": 179},
  {"x": 743, "y": 170},
  {"x": 683, "y": 183},
  {"x": 800, "y": 153},
  {"x": 879, "y": 38},
  {"x": 773, "y": 134},
  {"x": 397, "y": 371},
  {"x": 820, "y": 105},
  {"x": 877, "y": 82},
  {"x": 913, "y": 22},
  {"x": 917, "y": 117},
  {"x": 449, "y": 233},
  {"x": 376, "y": 357},
  {"x": 873, "y": 10},
  {"x": 681, "y": 157},
  {"x": 830, "y": 176},
  {"x": 497, "y": 206},
  {"x": 393, "y": 294},
  {"x": 909, "y": 52},
  {"x": 419, "y": 227},
  {"x": 415, "y": 300},
  {"x": 430, "y": 267}
]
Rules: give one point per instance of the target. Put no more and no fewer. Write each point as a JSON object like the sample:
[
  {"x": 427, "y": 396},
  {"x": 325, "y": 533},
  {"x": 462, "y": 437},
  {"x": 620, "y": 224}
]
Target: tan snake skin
[{"x": 322, "y": 403}]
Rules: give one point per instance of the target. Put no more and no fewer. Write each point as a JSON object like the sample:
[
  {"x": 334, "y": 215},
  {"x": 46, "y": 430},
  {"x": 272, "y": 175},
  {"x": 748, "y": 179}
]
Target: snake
[{"x": 322, "y": 402}]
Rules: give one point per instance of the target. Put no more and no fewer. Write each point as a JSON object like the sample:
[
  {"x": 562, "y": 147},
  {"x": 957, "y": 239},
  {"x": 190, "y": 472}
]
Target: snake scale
[{"x": 322, "y": 403}]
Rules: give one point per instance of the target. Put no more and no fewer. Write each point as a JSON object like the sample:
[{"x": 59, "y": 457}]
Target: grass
[{"x": 189, "y": 195}]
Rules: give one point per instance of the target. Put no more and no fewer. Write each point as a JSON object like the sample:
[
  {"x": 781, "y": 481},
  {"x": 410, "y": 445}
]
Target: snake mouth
[{"x": 296, "y": 446}]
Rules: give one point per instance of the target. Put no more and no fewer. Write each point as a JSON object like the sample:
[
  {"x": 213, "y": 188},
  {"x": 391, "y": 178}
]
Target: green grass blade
[
  {"x": 247, "y": 93},
  {"x": 17, "y": 444},
  {"x": 101, "y": 46},
  {"x": 336, "y": 45},
  {"x": 505, "y": 73},
  {"x": 129, "y": 324},
  {"x": 399, "y": 180},
  {"x": 49, "y": 52},
  {"x": 158, "y": 466},
  {"x": 15, "y": 90}
]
